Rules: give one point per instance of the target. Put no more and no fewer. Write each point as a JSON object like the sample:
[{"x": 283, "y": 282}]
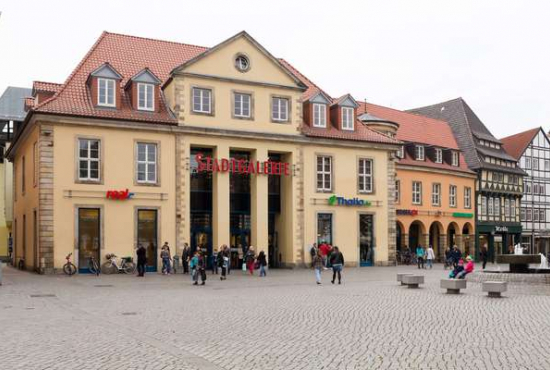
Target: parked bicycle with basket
[{"x": 115, "y": 265}]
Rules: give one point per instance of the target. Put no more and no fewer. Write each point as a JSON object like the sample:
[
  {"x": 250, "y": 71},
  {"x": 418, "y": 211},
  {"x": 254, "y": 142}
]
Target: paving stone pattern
[{"x": 283, "y": 321}]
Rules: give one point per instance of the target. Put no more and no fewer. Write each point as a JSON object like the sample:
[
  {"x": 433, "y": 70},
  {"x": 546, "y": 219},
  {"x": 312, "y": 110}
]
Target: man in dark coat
[
  {"x": 141, "y": 260},
  {"x": 185, "y": 256}
]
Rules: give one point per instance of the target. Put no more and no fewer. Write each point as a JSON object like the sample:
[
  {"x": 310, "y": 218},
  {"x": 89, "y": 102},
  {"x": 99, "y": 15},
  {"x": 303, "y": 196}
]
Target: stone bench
[
  {"x": 494, "y": 288},
  {"x": 400, "y": 277},
  {"x": 453, "y": 286},
  {"x": 412, "y": 281}
]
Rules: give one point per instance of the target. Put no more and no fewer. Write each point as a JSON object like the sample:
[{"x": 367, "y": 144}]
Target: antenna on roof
[{"x": 365, "y": 106}]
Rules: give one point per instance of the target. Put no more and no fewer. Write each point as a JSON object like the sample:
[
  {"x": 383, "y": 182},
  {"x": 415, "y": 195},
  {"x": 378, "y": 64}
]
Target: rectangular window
[
  {"x": 35, "y": 159},
  {"x": 106, "y": 92},
  {"x": 146, "y": 97},
  {"x": 436, "y": 194},
  {"x": 546, "y": 165},
  {"x": 416, "y": 192},
  {"x": 319, "y": 115},
  {"x": 242, "y": 105},
  {"x": 279, "y": 109},
  {"x": 202, "y": 100},
  {"x": 513, "y": 209},
  {"x": 401, "y": 152},
  {"x": 438, "y": 155},
  {"x": 397, "y": 191},
  {"x": 506, "y": 207},
  {"x": 497, "y": 207},
  {"x": 88, "y": 159},
  {"x": 535, "y": 163},
  {"x": 324, "y": 228},
  {"x": 542, "y": 217},
  {"x": 23, "y": 175},
  {"x": 522, "y": 214},
  {"x": 324, "y": 173},
  {"x": 484, "y": 206},
  {"x": 455, "y": 158},
  {"x": 365, "y": 175},
  {"x": 490, "y": 206},
  {"x": 146, "y": 163},
  {"x": 452, "y": 195},
  {"x": 527, "y": 188},
  {"x": 419, "y": 152},
  {"x": 467, "y": 197},
  {"x": 529, "y": 214},
  {"x": 347, "y": 118},
  {"x": 535, "y": 215},
  {"x": 528, "y": 163}
]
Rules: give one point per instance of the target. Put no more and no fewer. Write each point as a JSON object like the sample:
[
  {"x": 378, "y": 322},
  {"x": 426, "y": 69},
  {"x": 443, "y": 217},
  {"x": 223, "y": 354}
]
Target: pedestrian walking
[
  {"x": 262, "y": 263},
  {"x": 249, "y": 258},
  {"x": 420, "y": 256},
  {"x": 456, "y": 255},
  {"x": 165, "y": 257},
  {"x": 194, "y": 265},
  {"x": 484, "y": 254},
  {"x": 430, "y": 256},
  {"x": 141, "y": 260},
  {"x": 224, "y": 262},
  {"x": 337, "y": 263},
  {"x": 214, "y": 261},
  {"x": 448, "y": 258},
  {"x": 313, "y": 252},
  {"x": 318, "y": 267},
  {"x": 185, "y": 255},
  {"x": 201, "y": 267}
]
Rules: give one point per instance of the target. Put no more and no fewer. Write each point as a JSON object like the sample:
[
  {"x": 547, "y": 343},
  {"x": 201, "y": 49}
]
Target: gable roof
[
  {"x": 467, "y": 129},
  {"x": 41, "y": 86},
  {"x": 515, "y": 145},
  {"x": 12, "y": 103}
]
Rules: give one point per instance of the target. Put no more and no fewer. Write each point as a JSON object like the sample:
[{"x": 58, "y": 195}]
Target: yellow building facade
[{"x": 210, "y": 147}]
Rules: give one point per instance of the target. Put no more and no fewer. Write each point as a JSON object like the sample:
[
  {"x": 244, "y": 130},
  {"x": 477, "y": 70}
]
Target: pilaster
[
  {"x": 45, "y": 199},
  {"x": 259, "y": 205}
]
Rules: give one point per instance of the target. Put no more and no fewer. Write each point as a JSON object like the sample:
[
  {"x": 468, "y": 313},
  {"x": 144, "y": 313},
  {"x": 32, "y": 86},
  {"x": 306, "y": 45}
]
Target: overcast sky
[{"x": 402, "y": 54}]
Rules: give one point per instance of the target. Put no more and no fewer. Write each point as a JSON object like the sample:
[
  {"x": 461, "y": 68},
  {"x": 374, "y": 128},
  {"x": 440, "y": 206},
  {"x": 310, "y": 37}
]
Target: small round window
[{"x": 242, "y": 63}]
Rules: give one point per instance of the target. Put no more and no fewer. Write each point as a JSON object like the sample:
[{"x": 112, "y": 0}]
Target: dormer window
[
  {"x": 455, "y": 159},
  {"x": 319, "y": 115},
  {"x": 419, "y": 152},
  {"x": 400, "y": 152},
  {"x": 106, "y": 92},
  {"x": 347, "y": 118},
  {"x": 146, "y": 96},
  {"x": 438, "y": 155}
]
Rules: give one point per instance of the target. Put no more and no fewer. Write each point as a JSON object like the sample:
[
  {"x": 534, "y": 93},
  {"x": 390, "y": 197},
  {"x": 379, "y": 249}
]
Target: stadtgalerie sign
[
  {"x": 209, "y": 164},
  {"x": 335, "y": 200}
]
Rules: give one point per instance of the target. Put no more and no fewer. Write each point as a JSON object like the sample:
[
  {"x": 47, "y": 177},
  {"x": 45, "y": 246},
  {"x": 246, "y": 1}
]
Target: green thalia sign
[
  {"x": 336, "y": 200},
  {"x": 463, "y": 215}
]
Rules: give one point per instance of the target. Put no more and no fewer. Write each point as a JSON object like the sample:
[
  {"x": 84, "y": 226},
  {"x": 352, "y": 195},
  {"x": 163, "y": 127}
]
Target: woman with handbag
[
  {"x": 250, "y": 258},
  {"x": 262, "y": 263},
  {"x": 337, "y": 262}
]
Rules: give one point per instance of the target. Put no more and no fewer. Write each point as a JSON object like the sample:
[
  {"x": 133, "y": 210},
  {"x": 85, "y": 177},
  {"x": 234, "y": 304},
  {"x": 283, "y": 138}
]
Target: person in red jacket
[
  {"x": 324, "y": 248},
  {"x": 467, "y": 269}
]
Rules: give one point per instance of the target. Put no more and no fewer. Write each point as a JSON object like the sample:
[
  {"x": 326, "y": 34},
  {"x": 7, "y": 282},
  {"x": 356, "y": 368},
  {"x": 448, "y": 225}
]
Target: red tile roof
[
  {"x": 45, "y": 86},
  {"x": 516, "y": 144},
  {"x": 128, "y": 55}
]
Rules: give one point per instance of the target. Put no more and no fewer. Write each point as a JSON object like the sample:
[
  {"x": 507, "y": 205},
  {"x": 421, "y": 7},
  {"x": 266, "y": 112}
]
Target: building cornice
[
  {"x": 238, "y": 81},
  {"x": 436, "y": 171}
]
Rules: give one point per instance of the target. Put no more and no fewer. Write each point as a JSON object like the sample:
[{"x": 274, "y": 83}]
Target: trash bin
[{"x": 176, "y": 264}]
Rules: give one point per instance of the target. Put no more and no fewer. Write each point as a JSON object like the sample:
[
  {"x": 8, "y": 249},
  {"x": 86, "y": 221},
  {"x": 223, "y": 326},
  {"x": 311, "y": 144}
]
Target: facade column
[
  {"x": 405, "y": 241},
  {"x": 259, "y": 206},
  {"x": 458, "y": 241},
  {"x": 220, "y": 203},
  {"x": 442, "y": 246}
]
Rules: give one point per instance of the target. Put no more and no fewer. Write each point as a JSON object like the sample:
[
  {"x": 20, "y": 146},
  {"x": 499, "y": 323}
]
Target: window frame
[
  {"x": 455, "y": 158},
  {"x": 365, "y": 176},
  {"x": 484, "y": 206},
  {"x": 453, "y": 196},
  {"x": 467, "y": 197},
  {"x": 146, "y": 100},
  {"x": 347, "y": 113},
  {"x": 250, "y": 96},
  {"x": 416, "y": 192},
  {"x": 490, "y": 206},
  {"x": 438, "y": 155},
  {"x": 323, "y": 110},
  {"x": 88, "y": 180},
  {"x": 107, "y": 82},
  {"x": 436, "y": 202},
  {"x": 288, "y": 108},
  {"x": 210, "y": 112},
  {"x": 419, "y": 149},
  {"x": 324, "y": 173},
  {"x": 137, "y": 162},
  {"x": 496, "y": 207}
]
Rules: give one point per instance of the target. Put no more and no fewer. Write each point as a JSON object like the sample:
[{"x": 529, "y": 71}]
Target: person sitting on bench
[
  {"x": 457, "y": 270},
  {"x": 468, "y": 269}
]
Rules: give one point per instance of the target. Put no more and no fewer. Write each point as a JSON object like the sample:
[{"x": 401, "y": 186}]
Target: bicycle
[
  {"x": 111, "y": 266},
  {"x": 69, "y": 268},
  {"x": 93, "y": 266}
]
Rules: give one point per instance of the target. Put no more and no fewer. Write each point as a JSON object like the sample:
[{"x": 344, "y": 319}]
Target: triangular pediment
[
  {"x": 347, "y": 101},
  {"x": 146, "y": 76},
  {"x": 220, "y": 61},
  {"x": 320, "y": 98},
  {"x": 106, "y": 71}
]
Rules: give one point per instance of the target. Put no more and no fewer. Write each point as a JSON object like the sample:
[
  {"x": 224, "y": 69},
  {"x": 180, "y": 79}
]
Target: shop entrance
[
  {"x": 88, "y": 237},
  {"x": 366, "y": 240},
  {"x": 147, "y": 236},
  {"x": 240, "y": 238},
  {"x": 201, "y": 236}
]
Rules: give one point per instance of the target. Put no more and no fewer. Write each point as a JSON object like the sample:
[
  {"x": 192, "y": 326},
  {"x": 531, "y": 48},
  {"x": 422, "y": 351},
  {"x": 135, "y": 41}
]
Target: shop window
[
  {"x": 324, "y": 228},
  {"x": 467, "y": 197},
  {"x": 89, "y": 225},
  {"x": 202, "y": 100},
  {"x": 106, "y": 92},
  {"x": 147, "y": 163},
  {"x": 324, "y": 173},
  {"x": 89, "y": 160},
  {"x": 365, "y": 175},
  {"x": 452, "y": 195},
  {"x": 416, "y": 192},
  {"x": 242, "y": 105},
  {"x": 279, "y": 109},
  {"x": 436, "y": 195},
  {"x": 146, "y": 96},
  {"x": 319, "y": 115}
]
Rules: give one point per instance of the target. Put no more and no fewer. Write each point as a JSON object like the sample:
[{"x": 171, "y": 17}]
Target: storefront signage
[
  {"x": 119, "y": 194},
  {"x": 335, "y": 200},
  {"x": 463, "y": 215},
  {"x": 209, "y": 164},
  {"x": 501, "y": 229},
  {"x": 407, "y": 212}
]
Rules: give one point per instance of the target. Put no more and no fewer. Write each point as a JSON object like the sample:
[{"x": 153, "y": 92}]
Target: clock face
[{"x": 242, "y": 63}]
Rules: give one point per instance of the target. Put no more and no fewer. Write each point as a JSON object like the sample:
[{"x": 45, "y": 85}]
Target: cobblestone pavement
[{"x": 283, "y": 321}]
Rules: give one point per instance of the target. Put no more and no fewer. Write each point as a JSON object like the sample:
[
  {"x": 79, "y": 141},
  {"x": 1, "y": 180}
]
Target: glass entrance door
[
  {"x": 88, "y": 237},
  {"x": 366, "y": 240},
  {"x": 201, "y": 240},
  {"x": 147, "y": 235}
]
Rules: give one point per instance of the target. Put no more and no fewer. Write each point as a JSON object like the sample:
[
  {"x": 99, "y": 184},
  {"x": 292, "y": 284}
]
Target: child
[
  {"x": 457, "y": 270},
  {"x": 469, "y": 268}
]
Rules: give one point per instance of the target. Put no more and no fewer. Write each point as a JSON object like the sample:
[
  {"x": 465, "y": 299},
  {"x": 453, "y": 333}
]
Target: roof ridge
[
  {"x": 156, "y": 40},
  {"x": 47, "y": 82},
  {"x": 521, "y": 133},
  {"x": 295, "y": 70},
  {"x": 402, "y": 111},
  {"x": 74, "y": 72}
]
